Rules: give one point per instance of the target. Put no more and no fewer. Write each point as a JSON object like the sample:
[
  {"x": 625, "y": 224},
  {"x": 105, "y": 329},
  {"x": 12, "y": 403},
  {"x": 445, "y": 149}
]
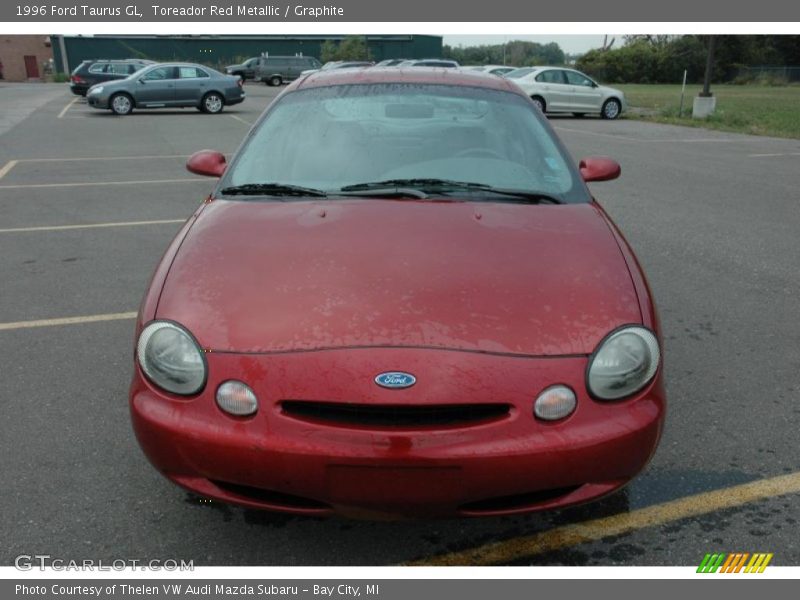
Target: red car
[{"x": 400, "y": 300}]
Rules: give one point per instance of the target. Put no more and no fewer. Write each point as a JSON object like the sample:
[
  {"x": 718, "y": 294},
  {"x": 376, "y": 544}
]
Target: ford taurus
[{"x": 401, "y": 299}]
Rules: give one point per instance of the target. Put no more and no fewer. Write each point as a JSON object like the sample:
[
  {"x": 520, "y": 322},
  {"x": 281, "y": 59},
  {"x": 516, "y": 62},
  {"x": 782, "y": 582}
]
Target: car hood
[
  {"x": 114, "y": 84},
  {"x": 256, "y": 276}
]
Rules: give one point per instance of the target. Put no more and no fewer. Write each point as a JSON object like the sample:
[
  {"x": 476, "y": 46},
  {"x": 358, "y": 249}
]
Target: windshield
[{"x": 332, "y": 137}]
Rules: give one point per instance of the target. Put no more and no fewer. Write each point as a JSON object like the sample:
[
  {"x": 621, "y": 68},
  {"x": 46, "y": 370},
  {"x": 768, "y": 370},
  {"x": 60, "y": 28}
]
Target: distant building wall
[
  {"x": 14, "y": 49},
  {"x": 218, "y": 51}
]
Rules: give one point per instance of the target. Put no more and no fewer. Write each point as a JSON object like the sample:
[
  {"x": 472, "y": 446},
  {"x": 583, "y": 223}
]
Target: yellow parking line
[
  {"x": 67, "y": 321},
  {"x": 7, "y": 167},
  {"x": 241, "y": 120},
  {"x": 95, "y": 183},
  {"x": 67, "y": 107},
  {"x": 90, "y": 226},
  {"x": 588, "y": 531}
]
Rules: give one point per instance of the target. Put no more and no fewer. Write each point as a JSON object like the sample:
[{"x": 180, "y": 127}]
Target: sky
[{"x": 571, "y": 44}]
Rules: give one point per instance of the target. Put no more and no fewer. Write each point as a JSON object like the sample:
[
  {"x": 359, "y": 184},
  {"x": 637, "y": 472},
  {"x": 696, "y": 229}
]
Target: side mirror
[
  {"x": 599, "y": 168},
  {"x": 207, "y": 162}
]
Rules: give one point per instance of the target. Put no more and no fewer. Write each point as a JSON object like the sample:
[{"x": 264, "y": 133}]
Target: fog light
[
  {"x": 555, "y": 403},
  {"x": 236, "y": 398}
]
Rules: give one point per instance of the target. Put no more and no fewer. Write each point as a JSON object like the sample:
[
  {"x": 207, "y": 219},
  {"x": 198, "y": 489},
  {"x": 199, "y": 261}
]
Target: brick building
[{"x": 25, "y": 57}]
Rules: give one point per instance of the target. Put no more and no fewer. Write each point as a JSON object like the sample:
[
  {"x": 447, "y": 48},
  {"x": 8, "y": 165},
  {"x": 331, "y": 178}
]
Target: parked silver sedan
[
  {"x": 168, "y": 85},
  {"x": 560, "y": 90}
]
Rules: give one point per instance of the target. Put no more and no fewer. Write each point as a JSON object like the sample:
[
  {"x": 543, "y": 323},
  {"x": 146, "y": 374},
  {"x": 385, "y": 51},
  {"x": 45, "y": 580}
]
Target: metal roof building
[{"x": 220, "y": 50}]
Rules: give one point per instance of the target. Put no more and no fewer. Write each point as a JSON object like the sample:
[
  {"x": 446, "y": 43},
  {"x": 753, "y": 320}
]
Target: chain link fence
[{"x": 768, "y": 74}]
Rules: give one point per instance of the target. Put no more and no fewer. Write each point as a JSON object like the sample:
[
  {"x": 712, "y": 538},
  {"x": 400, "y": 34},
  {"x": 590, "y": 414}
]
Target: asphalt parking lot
[{"x": 89, "y": 201}]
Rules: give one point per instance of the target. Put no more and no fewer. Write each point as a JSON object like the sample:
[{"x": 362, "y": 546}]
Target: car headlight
[
  {"x": 171, "y": 358},
  {"x": 624, "y": 362},
  {"x": 96, "y": 90}
]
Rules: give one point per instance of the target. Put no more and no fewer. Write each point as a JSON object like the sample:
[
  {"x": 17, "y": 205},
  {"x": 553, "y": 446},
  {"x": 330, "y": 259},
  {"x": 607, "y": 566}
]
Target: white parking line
[
  {"x": 67, "y": 107},
  {"x": 90, "y": 226},
  {"x": 628, "y": 138},
  {"x": 773, "y": 154},
  {"x": 7, "y": 167},
  {"x": 241, "y": 120},
  {"x": 96, "y": 183},
  {"x": 67, "y": 321},
  {"x": 93, "y": 158}
]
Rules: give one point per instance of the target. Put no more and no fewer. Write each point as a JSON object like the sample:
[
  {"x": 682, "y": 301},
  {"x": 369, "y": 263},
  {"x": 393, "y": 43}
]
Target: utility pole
[
  {"x": 705, "y": 103},
  {"x": 706, "y": 93}
]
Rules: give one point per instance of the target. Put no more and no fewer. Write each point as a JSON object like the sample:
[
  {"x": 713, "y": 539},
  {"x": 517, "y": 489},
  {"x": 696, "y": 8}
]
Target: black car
[{"x": 90, "y": 72}]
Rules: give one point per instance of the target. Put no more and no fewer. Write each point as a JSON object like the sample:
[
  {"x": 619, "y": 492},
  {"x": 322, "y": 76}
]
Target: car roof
[
  {"x": 180, "y": 64},
  {"x": 487, "y": 67},
  {"x": 119, "y": 60},
  {"x": 422, "y": 75}
]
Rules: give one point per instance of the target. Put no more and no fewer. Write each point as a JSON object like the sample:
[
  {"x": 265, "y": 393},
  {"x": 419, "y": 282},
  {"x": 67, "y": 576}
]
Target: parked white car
[
  {"x": 491, "y": 69},
  {"x": 560, "y": 90}
]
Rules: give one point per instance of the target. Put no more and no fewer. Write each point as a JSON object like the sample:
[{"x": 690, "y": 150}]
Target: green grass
[{"x": 752, "y": 109}]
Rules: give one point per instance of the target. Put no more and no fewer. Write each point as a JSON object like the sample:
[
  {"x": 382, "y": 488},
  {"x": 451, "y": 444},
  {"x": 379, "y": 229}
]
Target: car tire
[
  {"x": 539, "y": 102},
  {"x": 121, "y": 104},
  {"x": 611, "y": 109},
  {"x": 212, "y": 103},
  {"x": 274, "y": 81}
]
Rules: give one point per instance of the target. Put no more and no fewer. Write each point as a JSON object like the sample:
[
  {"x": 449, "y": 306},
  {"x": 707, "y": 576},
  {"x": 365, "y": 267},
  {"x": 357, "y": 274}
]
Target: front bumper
[
  {"x": 513, "y": 464},
  {"x": 97, "y": 100}
]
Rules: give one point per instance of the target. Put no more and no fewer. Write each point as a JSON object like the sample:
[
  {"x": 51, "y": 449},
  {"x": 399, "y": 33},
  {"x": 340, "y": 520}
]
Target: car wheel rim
[
  {"x": 122, "y": 104},
  {"x": 538, "y": 104},
  {"x": 213, "y": 103},
  {"x": 612, "y": 110}
]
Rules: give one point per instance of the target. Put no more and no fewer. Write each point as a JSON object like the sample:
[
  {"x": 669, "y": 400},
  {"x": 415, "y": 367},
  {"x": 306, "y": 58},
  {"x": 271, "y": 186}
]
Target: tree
[
  {"x": 662, "y": 59},
  {"x": 351, "y": 48},
  {"x": 517, "y": 53},
  {"x": 328, "y": 50}
]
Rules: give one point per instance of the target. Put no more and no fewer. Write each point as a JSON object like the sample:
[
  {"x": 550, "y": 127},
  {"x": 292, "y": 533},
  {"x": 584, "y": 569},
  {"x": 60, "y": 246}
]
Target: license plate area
[{"x": 396, "y": 486}]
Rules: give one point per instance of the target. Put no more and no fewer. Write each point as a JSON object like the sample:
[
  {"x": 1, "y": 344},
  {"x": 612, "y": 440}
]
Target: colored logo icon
[{"x": 737, "y": 562}]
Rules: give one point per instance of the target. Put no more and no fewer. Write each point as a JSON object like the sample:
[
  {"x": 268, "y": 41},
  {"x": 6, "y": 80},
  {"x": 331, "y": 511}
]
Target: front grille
[
  {"x": 394, "y": 415},
  {"x": 269, "y": 496},
  {"x": 518, "y": 501}
]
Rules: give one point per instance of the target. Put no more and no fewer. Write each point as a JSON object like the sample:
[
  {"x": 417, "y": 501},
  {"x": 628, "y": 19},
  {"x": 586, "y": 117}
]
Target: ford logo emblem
[{"x": 395, "y": 380}]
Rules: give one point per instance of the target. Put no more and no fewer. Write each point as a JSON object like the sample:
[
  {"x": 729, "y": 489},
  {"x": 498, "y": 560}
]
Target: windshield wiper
[
  {"x": 382, "y": 192},
  {"x": 523, "y": 196},
  {"x": 427, "y": 186},
  {"x": 271, "y": 189},
  {"x": 395, "y": 183}
]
